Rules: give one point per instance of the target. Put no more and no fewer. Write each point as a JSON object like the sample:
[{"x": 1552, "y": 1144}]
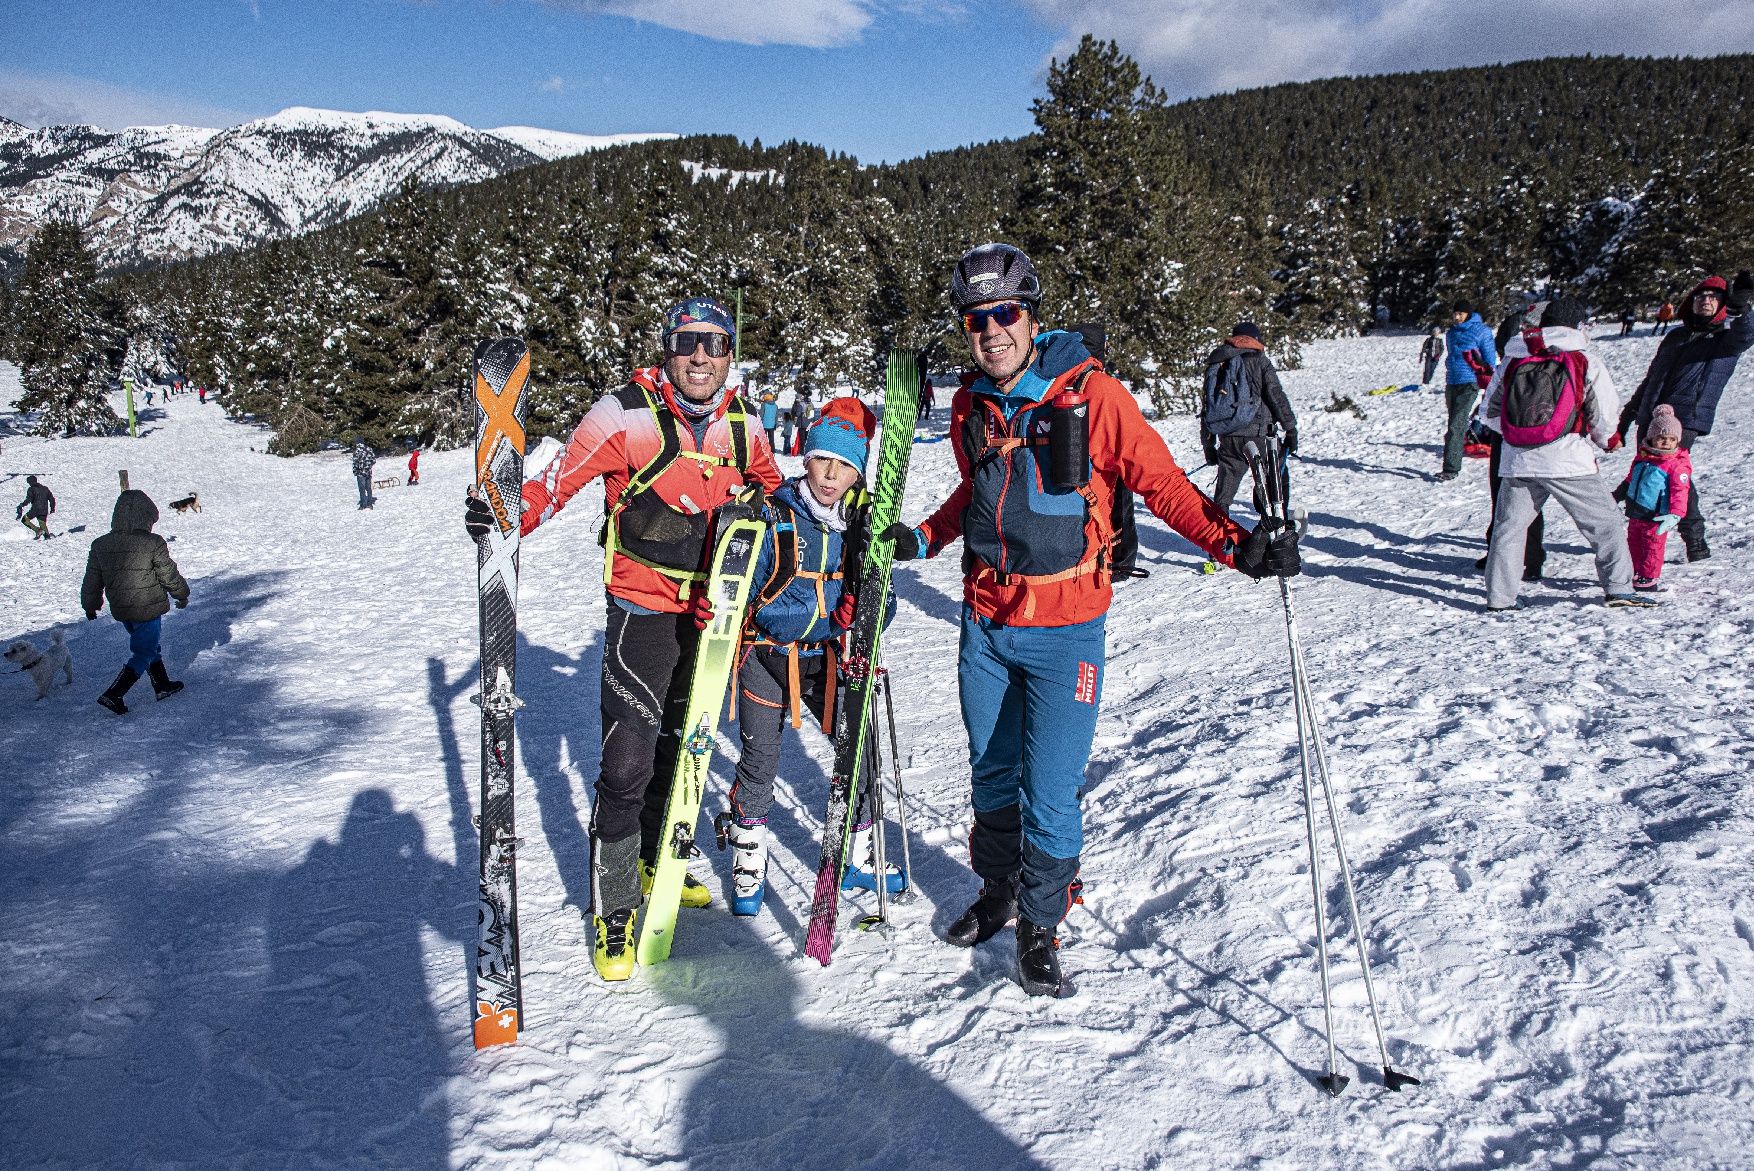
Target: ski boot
[
  {"x": 996, "y": 906},
  {"x": 860, "y": 873},
  {"x": 163, "y": 686},
  {"x": 694, "y": 891},
  {"x": 112, "y": 698},
  {"x": 613, "y": 955},
  {"x": 748, "y": 866},
  {"x": 1698, "y": 550},
  {"x": 1210, "y": 566},
  {"x": 1038, "y": 961}
]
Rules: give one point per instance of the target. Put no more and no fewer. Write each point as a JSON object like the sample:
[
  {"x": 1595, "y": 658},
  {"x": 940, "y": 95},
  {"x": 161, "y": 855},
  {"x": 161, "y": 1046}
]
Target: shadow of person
[
  {"x": 341, "y": 1061},
  {"x": 783, "y": 1092}
]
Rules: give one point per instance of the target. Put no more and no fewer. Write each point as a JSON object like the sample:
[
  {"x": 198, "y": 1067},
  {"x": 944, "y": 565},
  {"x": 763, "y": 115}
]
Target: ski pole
[
  {"x": 879, "y": 853},
  {"x": 1312, "y": 748},
  {"x": 907, "y": 871}
]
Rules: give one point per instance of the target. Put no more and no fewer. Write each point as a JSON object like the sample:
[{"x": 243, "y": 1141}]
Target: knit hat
[
  {"x": 1246, "y": 329},
  {"x": 1663, "y": 424},
  {"x": 699, "y": 311},
  {"x": 843, "y": 432},
  {"x": 1461, "y": 307},
  {"x": 1564, "y": 311}
]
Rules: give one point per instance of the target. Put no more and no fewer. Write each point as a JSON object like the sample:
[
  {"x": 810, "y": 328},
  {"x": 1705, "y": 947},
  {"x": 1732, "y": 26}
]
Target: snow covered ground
[{"x": 241, "y": 923}]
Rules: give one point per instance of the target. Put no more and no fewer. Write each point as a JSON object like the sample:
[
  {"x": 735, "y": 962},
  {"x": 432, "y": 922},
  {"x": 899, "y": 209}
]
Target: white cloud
[
  {"x": 815, "y": 24},
  {"x": 52, "y": 99},
  {"x": 1197, "y": 47},
  {"x": 554, "y": 85}
]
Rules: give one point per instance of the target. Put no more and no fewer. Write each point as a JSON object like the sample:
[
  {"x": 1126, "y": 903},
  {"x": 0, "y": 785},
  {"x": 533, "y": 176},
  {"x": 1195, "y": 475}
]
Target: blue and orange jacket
[
  {"x": 657, "y": 566},
  {"x": 810, "y": 586},
  {"x": 1035, "y": 554}
]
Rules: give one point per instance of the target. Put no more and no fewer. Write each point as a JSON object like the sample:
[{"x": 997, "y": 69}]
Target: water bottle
[{"x": 1069, "y": 439}]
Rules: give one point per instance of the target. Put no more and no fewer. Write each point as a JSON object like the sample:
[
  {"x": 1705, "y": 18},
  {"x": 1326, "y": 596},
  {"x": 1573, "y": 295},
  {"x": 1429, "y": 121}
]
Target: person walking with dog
[
  {"x": 34, "y": 510},
  {"x": 364, "y": 458},
  {"x": 671, "y": 446},
  {"x": 130, "y": 566},
  {"x": 1042, "y": 436}
]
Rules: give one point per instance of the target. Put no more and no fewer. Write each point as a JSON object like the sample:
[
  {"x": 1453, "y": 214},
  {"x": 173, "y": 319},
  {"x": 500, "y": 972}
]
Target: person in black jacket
[
  {"x": 131, "y": 567},
  {"x": 1227, "y": 451},
  {"x": 33, "y": 511},
  {"x": 1689, "y": 372},
  {"x": 364, "y": 457}
]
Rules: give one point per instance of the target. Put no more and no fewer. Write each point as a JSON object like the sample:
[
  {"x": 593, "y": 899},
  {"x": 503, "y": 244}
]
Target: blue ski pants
[
  {"x": 1029, "y": 699},
  {"x": 143, "y": 643}
]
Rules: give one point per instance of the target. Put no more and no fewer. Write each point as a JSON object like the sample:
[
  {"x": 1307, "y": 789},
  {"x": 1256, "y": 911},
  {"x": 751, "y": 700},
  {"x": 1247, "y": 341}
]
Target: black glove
[
  {"x": 1740, "y": 292},
  {"x": 182, "y": 603},
  {"x": 1291, "y": 443},
  {"x": 477, "y": 518},
  {"x": 1211, "y": 456},
  {"x": 1263, "y": 554},
  {"x": 91, "y": 615},
  {"x": 907, "y": 542}
]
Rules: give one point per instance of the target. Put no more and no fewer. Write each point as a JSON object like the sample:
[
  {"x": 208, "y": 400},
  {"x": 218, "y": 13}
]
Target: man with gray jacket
[
  {"x": 131, "y": 566},
  {"x": 1562, "y": 469}
]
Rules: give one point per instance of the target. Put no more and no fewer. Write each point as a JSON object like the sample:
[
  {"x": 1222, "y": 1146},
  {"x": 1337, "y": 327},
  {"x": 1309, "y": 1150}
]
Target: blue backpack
[
  {"x": 1647, "y": 492},
  {"x": 1231, "y": 401}
]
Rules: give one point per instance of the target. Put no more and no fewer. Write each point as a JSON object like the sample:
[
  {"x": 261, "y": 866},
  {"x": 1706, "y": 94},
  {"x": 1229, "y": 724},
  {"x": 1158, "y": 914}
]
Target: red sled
[{"x": 1477, "y": 450}]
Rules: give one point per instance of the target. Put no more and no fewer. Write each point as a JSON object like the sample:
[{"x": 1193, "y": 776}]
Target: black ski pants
[
  {"x": 1233, "y": 472},
  {"x": 764, "y": 704},
  {"x": 648, "y": 660}
]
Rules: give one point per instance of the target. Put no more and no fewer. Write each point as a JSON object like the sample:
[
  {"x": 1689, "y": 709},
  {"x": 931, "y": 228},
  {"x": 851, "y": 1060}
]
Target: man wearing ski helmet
[
  {"x": 671, "y": 446},
  {"x": 1689, "y": 372},
  {"x": 1037, "y": 586}
]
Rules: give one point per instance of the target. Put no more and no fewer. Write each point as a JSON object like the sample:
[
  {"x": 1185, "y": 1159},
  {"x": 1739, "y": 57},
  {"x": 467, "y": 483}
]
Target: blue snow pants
[
  {"x": 1029, "y": 698},
  {"x": 143, "y": 642}
]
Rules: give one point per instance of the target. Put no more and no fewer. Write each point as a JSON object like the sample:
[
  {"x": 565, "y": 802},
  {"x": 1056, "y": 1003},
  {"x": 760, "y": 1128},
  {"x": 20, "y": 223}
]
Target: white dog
[{"x": 43, "y": 666}]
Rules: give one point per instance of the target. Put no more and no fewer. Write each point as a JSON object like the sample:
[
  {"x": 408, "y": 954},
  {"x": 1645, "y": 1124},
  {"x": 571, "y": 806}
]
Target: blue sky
[{"x": 880, "y": 79}]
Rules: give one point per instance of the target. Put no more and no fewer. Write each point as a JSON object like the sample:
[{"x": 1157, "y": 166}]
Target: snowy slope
[
  {"x": 166, "y": 192},
  {"x": 242, "y": 921}
]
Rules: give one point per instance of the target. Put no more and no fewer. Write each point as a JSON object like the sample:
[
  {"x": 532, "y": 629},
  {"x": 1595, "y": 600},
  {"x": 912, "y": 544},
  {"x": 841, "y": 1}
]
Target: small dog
[
  {"x": 189, "y": 503},
  {"x": 43, "y": 666}
]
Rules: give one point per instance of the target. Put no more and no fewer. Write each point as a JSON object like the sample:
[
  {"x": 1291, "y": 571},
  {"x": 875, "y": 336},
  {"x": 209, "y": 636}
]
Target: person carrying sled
[
  {"x": 131, "y": 567},
  {"x": 1655, "y": 495},
  {"x": 1037, "y": 586},
  {"x": 801, "y": 605},
  {"x": 671, "y": 446},
  {"x": 413, "y": 467},
  {"x": 1552, "y": 402},
  {"x": 1431, "y": 353},
  {"x": 1689, "y": 372},
  {"x": 1242, "y": 402},
  {"x": 364, "y": 459},
  {"x": 34, "y": 510},
  {"x": 1470, "y": 358}
]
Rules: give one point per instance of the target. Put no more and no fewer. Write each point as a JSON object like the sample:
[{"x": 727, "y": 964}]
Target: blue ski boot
[
  {"x": 748, "y": 866},
  {"x": 862, "y": 864}
]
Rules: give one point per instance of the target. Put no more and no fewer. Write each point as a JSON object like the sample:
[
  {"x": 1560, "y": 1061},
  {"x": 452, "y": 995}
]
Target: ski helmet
[{"x": 994, "y": 272}]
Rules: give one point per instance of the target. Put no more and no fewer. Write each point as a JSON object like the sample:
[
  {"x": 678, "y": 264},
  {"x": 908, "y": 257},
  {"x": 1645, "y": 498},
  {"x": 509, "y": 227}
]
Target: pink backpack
[{"x": 1543, "y": 394}]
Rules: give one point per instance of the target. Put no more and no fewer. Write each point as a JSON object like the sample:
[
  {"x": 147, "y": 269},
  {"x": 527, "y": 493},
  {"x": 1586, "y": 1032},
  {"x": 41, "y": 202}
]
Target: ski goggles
[
  {"x": 1007, "y": 314},
  {"x": 683, "y": 342}
]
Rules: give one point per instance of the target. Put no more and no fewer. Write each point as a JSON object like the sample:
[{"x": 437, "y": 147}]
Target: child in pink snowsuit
[{"x": 1655, "y": 492}]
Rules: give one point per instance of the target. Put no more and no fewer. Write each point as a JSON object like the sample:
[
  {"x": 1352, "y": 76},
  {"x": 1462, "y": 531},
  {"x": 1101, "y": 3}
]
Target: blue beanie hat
[
  {"x": 843, "y": 432},
  {"x": 699, "y": 311}
]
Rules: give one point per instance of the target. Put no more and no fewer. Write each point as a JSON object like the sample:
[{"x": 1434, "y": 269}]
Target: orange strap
[{"x": 795, "y": 683}]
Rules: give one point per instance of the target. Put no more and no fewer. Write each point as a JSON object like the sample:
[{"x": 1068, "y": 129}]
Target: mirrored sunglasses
[
  {"x": 1007, "y": 314},
  {"x": 682, "y": 343}
]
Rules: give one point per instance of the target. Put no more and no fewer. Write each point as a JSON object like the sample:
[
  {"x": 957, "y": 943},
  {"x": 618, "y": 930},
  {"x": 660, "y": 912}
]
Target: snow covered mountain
[{"x": 153, "y": 193}]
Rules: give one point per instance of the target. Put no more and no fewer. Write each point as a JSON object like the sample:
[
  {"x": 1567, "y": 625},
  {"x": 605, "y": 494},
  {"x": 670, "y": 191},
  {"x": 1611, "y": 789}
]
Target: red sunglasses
[{"x": 1006, "y": 314}]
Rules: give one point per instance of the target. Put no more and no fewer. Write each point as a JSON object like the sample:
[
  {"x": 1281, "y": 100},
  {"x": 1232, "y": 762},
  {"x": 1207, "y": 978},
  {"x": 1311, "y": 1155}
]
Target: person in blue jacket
[
  {"x": 802, "y": 603},
  {"x": 1469, "y": 356},
  {"x": 1689, "y": 372},
  {"x": 769, "y": 398}
]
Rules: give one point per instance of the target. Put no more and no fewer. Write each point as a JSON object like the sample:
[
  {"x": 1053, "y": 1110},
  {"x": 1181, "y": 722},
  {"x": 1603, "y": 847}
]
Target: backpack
[
  {"x": 1543, "y": 394},
  {"x": 1232, "y": 399},
  {"x": 1647, "y": 492}
]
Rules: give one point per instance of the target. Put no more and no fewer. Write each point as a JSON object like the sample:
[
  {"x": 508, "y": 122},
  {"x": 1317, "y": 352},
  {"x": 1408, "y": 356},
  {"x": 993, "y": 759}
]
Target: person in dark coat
[
  {"x": 363, "y": 460},
  {"x": 33, "y": 511},
  {"x": 131, "y": 566},
  {"x": 1227, "y": 451},
  {"x": 1689, "y": 373},
  {"x": 1431, "y": 353}
]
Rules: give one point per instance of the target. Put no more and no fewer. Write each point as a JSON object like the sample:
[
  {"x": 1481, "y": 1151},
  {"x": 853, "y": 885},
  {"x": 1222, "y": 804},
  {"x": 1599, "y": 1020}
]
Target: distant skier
[
  {"x": 659, "y": 516},
  {"x": 1689, "y": 372},
  {"x": 802, "y": 604},
  {"x": 131, "y": 567},
  {"x": 797, "y": 420},
  {"x": 1036, "y": 589},
  {"x": 1564, "y": 467},
  {"x": 1258, "y": 384},
  {"x": 364, "y": 458},
  {"x": 1431, "y": 353},
  {"x": 1628, "y": 319},
  {"x": 413, "y": 467},
  {"x": 928, "y": 398},
  {"x": 1471, "y": 358},
  {"x": 1665, "y": 316},
  {"x": 201, "y": 394},
  {"x": 769, "y": 398},
  {"x": 34, "y": 510}
]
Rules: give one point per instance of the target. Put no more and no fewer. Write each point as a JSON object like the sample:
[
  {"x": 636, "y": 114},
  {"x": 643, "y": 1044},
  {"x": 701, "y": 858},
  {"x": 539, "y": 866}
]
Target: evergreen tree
[{"x": 66, "y": 339}]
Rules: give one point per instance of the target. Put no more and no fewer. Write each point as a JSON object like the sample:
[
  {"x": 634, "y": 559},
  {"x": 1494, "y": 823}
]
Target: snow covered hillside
[
  {"x": 242, "y": 922},
  {"x": 166, "y": 192}
]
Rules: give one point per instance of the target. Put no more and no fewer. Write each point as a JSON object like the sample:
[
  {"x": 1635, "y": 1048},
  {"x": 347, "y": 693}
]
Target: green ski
[{"x": 740, "y": 530}]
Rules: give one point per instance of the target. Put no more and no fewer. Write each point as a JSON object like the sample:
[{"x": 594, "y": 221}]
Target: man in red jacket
[
  {"x": 1036, "y": 589},
  {"x": 671, "y": 446}
]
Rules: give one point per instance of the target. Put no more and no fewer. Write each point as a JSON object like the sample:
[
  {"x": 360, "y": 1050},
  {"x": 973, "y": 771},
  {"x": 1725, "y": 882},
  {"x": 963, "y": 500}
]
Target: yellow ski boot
[
  {"x": 694, "y": 892},
  {"x": 613, "y": 955}
]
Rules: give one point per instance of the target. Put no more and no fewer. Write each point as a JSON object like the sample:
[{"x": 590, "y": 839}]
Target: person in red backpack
[
  {"x": 1037, "y": 583},
  {"x": 1553, "y": 404},
  {"x": 671, "y": 446}
]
